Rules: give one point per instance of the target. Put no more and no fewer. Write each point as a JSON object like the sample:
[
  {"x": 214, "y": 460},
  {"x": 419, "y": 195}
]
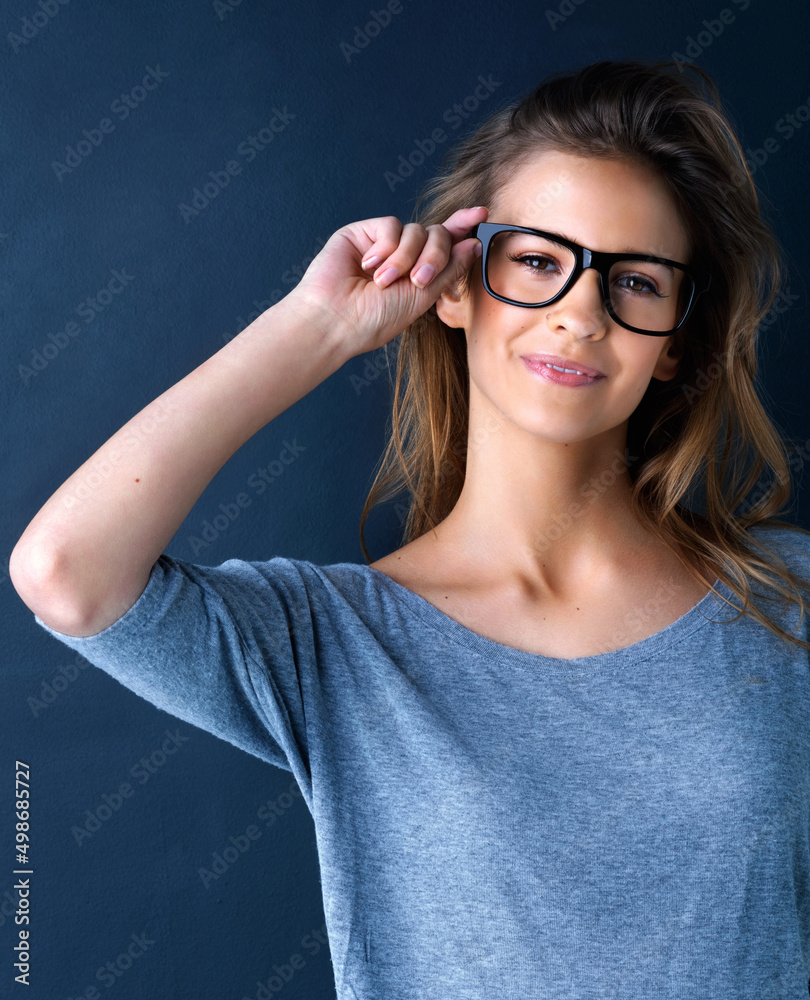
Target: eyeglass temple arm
[{"x": 704, "y": 286}]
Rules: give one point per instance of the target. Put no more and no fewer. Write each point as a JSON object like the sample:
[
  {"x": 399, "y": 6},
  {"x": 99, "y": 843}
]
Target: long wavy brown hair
[{"x": 704, "y": 428}]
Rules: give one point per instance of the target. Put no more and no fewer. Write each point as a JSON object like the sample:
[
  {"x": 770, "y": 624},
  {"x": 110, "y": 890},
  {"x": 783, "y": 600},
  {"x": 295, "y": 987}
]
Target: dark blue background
[{"x": 194, "y": 285}]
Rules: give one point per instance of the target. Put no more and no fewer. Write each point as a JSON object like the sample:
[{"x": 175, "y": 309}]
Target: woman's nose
[{"x": 582, "y": 309}]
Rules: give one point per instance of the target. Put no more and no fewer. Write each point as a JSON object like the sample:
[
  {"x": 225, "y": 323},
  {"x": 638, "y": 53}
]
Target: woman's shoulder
[
  {"x": 399, "y": 561},
  {"x": 415, "y": 567},
  {"x": 783, "y": 538}
]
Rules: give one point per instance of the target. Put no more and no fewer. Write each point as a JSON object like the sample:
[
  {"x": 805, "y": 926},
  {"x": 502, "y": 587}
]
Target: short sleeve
[{"x": 219, "y": 647}]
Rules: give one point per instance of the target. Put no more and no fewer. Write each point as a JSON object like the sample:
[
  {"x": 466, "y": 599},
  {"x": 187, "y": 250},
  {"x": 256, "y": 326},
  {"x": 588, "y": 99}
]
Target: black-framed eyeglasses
[{"x": 533, "y": 268}]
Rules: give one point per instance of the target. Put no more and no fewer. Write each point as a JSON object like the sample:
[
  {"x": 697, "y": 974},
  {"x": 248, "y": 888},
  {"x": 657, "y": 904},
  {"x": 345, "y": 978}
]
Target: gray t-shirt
[{"x": 492, "y": 823}]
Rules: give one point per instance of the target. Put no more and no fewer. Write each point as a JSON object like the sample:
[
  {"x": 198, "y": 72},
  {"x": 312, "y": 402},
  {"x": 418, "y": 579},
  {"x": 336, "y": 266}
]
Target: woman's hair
[{"x": 705, "y": 426}]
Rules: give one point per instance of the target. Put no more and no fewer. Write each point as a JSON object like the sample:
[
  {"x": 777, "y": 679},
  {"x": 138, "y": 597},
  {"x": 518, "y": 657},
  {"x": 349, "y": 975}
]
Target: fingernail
[
  {"x": 478, "y": 249},
  {"x": 424, "y": 275},
  {"x": 387, "y": 276},
  {"x": 370, "y": 262}
]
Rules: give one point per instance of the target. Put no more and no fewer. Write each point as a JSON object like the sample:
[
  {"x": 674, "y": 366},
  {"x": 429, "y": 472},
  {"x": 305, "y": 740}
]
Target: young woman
[{"x": 556, "y": 744}]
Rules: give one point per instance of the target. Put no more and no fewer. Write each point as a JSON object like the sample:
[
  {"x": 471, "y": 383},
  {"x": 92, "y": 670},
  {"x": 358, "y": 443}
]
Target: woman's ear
[
  {"x": 451, "y": 306},
  {"x": 669, "y": 360}
]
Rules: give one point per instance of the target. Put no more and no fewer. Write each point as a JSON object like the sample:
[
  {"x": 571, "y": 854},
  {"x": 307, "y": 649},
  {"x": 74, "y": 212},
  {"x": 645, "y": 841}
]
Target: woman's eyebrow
[
  {"x": 562, "y": 236},
  {"x": 633, "y": 251},
  {"x": 635, "y": 254}
]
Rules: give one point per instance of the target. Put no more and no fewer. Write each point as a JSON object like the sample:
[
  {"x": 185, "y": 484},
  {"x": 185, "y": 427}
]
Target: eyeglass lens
[{"x": 531, "y": 270}]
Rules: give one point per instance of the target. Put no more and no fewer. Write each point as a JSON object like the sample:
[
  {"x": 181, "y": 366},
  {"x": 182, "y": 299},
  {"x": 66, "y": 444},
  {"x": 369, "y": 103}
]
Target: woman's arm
[
  {"x": 88, "y": 553},
  {"x": 86, "y": 556}
]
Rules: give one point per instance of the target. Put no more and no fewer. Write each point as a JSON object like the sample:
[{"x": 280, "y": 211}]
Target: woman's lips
[{"x": 540, "y": 365}]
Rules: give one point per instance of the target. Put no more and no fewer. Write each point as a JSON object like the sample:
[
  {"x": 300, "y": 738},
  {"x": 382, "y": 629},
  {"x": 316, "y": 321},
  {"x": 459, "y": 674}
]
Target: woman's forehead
[{"x": 592, "y": 200}]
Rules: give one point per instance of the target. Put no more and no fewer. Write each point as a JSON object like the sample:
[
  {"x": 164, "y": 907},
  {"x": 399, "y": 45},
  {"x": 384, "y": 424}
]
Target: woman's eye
[
  {"x": 535, "y": 262},
  {"x": 635, "y": 283}
]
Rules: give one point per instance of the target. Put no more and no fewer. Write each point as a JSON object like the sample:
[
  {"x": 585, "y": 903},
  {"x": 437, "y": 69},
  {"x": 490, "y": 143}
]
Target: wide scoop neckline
[{"x": 679, "y": 630}]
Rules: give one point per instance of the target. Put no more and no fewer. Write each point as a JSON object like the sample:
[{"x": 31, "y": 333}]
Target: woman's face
[{"x": 607, "y": 205}]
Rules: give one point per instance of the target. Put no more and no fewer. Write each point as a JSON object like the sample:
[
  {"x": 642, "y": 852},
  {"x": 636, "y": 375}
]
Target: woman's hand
[{"x": 373, "y": 278}]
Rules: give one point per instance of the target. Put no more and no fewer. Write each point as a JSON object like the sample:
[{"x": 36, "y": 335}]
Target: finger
[
  {"x": 384, "y": 234},
  {"x": 434, "y": 256},
  {"x": 462, "y": 257},
  {"x": 462, "y": 221},
  {"x": 413, "y": 238}
]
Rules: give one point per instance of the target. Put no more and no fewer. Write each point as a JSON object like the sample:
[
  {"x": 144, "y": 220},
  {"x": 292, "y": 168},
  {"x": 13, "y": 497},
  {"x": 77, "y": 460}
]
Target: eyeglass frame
[{"x": 584, "y": 258}]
